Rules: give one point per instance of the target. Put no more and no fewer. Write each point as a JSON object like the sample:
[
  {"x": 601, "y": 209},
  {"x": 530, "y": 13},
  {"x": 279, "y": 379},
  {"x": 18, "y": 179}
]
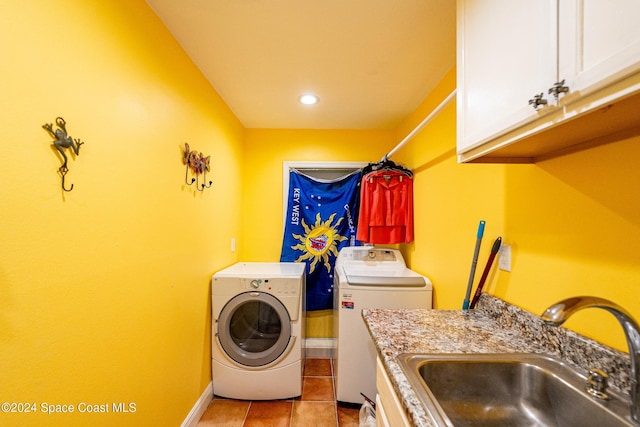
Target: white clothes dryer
[
  {"x": 368, "y": 277},
  {"x": 258, "y": 315}
]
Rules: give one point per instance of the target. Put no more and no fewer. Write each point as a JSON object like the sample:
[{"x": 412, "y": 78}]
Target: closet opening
[{"x": 317, "y": 170}]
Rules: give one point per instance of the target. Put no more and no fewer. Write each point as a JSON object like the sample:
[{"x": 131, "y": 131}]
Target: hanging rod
[
  {"x": 319, "y": 169},
  {"x": 422, "y": 124}
]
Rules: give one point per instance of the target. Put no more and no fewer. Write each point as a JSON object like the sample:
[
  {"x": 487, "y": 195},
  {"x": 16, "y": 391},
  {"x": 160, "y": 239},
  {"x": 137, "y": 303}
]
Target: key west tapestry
[{"x": 320, "y": 221}]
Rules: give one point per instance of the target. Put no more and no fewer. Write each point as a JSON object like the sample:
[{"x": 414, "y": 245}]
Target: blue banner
[{"x": 320, "y": 221}]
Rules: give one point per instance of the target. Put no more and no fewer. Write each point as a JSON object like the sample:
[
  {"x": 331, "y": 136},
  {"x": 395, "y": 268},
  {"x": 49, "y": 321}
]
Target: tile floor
[{"x": 316, "y": 407}]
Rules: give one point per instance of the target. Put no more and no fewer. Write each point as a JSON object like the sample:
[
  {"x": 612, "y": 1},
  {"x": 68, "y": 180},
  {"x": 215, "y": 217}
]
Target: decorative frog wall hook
[
  {"x": 61, "y": 141},
  {"x": 199, "y": 164}
]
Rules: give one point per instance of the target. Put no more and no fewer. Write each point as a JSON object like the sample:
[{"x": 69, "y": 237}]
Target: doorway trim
[{"x": 313, "y": 169}]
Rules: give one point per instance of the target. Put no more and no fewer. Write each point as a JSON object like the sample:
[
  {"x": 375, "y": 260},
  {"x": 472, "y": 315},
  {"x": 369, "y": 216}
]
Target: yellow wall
[
  {"x": 104, "y": 291},
  {"x": 573, "y": 223},
  {"x": 264, "y": 154},
  {"x": 449, "y": 201}
]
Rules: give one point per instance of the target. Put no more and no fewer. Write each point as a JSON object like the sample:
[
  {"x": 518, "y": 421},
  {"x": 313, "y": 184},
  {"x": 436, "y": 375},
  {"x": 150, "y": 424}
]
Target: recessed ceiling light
[{"x": 309, "y": 99}]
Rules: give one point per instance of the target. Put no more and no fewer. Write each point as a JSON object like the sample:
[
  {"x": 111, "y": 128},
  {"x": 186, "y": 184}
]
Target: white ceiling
[{"x": 371, "y": 62}]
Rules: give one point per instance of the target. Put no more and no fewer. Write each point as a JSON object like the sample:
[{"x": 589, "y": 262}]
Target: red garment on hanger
[{"x": 386, "y": 207}]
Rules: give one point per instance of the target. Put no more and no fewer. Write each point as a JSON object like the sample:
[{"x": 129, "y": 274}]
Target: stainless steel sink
[{"x": 508, "y": 390}]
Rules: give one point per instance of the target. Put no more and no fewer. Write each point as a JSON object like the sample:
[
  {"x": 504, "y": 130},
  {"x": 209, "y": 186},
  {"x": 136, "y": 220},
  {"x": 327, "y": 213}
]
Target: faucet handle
[{"x": 597, "y": 384}]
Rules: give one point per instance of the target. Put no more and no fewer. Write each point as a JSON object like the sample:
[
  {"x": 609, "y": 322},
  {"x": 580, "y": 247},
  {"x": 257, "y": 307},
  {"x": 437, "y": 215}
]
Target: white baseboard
[
  {"x": 319, "y": 347},
  {"x": 198, "y": 409}
]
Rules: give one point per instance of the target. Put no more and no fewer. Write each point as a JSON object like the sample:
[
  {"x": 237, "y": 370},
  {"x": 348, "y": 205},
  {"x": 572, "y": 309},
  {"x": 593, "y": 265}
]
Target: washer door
[{"x": 254, "y": 328}]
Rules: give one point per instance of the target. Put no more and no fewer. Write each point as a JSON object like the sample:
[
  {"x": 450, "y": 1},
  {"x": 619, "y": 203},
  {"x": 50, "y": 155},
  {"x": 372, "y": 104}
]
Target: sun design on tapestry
[{"x": 319, "y": 242}]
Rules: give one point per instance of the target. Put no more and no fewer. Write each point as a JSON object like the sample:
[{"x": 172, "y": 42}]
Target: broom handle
[{"x": 485, "y": 273}]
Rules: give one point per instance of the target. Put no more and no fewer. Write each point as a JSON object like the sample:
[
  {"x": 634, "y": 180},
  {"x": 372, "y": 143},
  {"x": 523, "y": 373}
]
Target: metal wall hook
[
  {"x": 199, "y": 165},
  {"x": 186, "y": 174},
  {"x": 62, "y": 141},
  {"x": 202, "y": 186},
  {"x": 63, "y": 171}
]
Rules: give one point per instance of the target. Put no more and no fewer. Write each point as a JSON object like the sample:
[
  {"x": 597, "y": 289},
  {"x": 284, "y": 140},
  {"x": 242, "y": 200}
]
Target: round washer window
[{"x": 254, "y": 328}]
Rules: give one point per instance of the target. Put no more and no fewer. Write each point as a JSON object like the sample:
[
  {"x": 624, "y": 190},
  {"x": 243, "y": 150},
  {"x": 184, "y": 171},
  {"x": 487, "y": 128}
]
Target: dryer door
[{"x": 254, "y": 328}]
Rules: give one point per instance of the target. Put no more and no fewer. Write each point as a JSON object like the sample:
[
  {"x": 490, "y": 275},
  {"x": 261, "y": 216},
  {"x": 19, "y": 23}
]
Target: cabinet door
[
  {"x": 599, "y": 43},
  {"x": 389, "y": 411},
  {"x": 507, "y": 53}
]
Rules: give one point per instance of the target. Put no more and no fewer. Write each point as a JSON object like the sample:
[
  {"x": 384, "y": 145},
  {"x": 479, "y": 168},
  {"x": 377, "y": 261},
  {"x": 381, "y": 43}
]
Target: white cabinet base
[{"x": 389, "y": 411}]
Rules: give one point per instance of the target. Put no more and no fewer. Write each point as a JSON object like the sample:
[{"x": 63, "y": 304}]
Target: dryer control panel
[{"x": 275, "y": 286}]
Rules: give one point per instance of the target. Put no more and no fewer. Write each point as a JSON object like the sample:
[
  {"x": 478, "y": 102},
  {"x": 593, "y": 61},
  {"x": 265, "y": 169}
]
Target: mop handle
[{"x": 474, "y": 262}]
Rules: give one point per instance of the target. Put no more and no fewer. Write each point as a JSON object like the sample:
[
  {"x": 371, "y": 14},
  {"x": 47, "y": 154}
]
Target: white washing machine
[
  {"x": 368, "y": 277},
  {"x": 258, "y": 330}
]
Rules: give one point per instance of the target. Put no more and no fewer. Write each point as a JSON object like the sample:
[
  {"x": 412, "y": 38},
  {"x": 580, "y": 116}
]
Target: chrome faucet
[{"x": 561, "y": 311}]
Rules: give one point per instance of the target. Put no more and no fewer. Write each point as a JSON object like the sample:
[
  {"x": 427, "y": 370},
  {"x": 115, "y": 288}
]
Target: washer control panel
[{"x": 370, "y": 257}]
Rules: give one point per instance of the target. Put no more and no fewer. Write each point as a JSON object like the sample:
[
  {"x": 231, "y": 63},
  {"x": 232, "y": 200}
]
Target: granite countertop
[{"x": 493, "y": 327}]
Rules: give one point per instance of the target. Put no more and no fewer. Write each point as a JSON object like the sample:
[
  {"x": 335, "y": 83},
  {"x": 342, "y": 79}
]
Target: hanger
[{"x": 387, "y": 164}]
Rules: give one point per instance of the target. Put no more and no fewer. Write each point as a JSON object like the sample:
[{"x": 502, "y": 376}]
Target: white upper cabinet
[
  {"x": 529, "y": 69},
  {"x": 599, "y": 43},
  {"x": 507, "y": 51}
]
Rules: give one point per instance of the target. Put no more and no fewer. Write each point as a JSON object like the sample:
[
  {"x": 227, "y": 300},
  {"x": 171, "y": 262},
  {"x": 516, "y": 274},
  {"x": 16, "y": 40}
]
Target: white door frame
[{"x": 308, "y": 168}]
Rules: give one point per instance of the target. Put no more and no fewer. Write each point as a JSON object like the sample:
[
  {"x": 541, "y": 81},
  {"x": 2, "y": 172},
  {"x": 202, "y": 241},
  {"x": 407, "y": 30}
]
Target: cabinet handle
[
  {"x": 538, "y": 101},
  {"x": 558, "y": 88}
]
